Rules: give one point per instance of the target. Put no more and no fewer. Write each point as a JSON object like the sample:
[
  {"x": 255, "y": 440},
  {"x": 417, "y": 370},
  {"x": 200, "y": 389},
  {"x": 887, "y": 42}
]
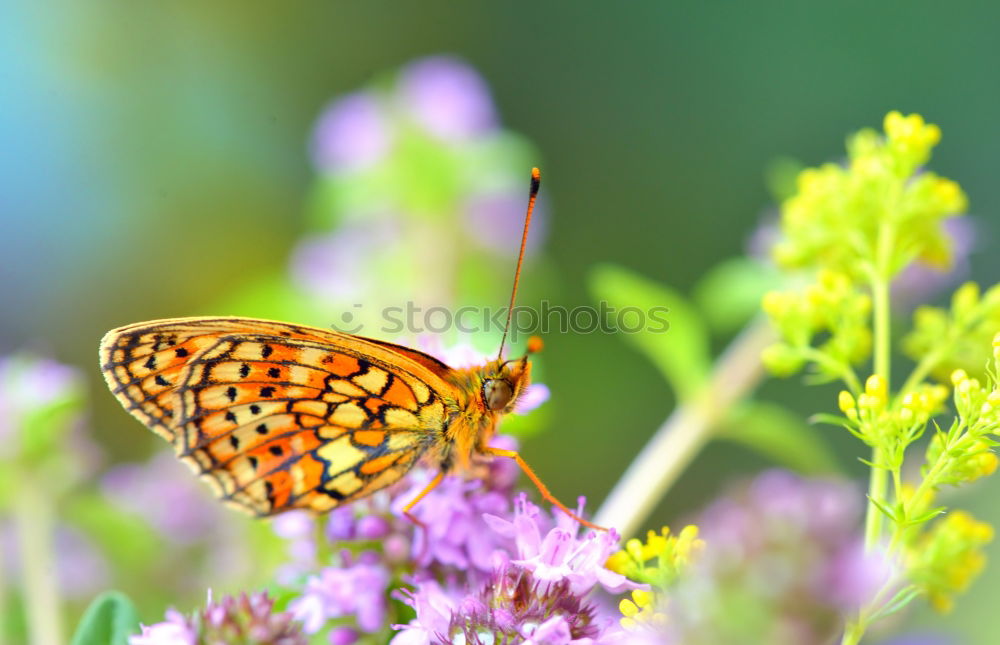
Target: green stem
[
  {"x": 3, "y": 600},
  {"x": 845, "y": 371},
  {"x": 877, "y": 483},
  {"x": 35, "y": 521},
  {"x": 879, "y": 478},
  {"x": 658, "y": 465},
  {"x": 853, "y": 632}
]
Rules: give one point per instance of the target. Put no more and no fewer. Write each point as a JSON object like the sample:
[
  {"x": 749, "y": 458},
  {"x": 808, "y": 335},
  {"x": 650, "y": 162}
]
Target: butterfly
[{"x": 276, "y": 416}]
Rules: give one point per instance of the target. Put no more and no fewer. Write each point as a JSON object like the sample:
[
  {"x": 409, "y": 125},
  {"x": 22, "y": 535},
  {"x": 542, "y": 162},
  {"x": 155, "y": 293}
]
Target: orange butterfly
[{"x": 276, "y": 416}]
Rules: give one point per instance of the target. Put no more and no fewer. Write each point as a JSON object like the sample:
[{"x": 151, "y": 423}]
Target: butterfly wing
[{"x": 277, "y": 416}]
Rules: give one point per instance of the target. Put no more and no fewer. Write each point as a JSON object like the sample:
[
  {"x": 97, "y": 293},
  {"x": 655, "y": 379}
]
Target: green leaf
[
  {"x": 779, "y": 435},
  {"x": 882, "y": 507},
  {"x": 109, "y": 620},
  {"x": 926, "y": 516},
  {"x": 678, "y": 348},
  {"x": 730, "y": 293},
  {"x": 902, "y": 598}
]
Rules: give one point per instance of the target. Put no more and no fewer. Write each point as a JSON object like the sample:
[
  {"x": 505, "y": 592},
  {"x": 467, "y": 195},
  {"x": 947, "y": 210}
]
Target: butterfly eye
[{"x": 497, "y": 393}]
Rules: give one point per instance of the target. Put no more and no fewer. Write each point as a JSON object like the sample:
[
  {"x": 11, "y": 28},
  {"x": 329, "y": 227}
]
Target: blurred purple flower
[
  {"x": 788, "y": 550},
  {"x": 248, "y": 618},
  {"x": 343, "y": 636},
  {"x": 80, "y": 567},
  {"x": 496, "y": 220},
  {"x": 353, "y": 133},
  {"x": 163, "y": 492},
  {"x": 920, "y": 282},
  {"x": 358, "y": 587},
  {"x": 299, "y": 528},
  {"x": 332, "y": 266},
  {"x": 29, "y": 384},
  {"x": 447, "y": 97},
  {"x": 532, "y": 397}
]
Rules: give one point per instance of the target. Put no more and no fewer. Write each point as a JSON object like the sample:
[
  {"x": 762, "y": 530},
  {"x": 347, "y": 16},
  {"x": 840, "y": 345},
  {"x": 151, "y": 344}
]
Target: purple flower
[
  {"x": 434, "y": 610},
  {"x": 175, "y": 630},
  {"x": 538, "y": 590},
  {"x": 163, "y": 492},
  {"x": 560, "y": 555},
  {"x": 353, "y": 133},
  {"x": 359, "y": 587},
  {"x": 447, "y": 97},
  {"x": 456, "y": 534},
  {"x": 248, "y": 618}
]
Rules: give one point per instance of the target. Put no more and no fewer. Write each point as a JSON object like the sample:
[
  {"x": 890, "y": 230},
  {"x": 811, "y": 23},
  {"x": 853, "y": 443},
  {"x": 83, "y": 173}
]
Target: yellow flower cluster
[
  {"x": 979, "y": 408},
  {"x": 957, "y": 335},
  {"x": 910, "y": 136},
  {"x": 658, "y": 562},
  {"x": 916, "y": 407},
  {"x": 642, "y": 610},
  {"x": 834, "y": 304},
  {"x": 837, "y": 213},
  {"x": 919, "y": 405},
  {"x": 672, "y": 553},
  {"x": 949, "y": 557},
  {"x": 975, "y": 461}
]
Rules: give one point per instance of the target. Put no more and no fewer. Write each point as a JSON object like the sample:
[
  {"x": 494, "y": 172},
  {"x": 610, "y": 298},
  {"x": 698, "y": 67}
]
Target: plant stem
[
  {"x": 658, "y": 465},
  {"x": 877, "y": 483},
  {"x": 879, "y": 478},
  {"x": 35, "y": 522},
  {"x": 853, "y": 633}
]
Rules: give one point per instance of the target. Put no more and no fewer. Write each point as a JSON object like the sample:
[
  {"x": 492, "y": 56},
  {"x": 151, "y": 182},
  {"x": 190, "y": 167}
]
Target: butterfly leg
[
  {"x": 413, "y": 518},
  {"x": 548, "y": 496}
]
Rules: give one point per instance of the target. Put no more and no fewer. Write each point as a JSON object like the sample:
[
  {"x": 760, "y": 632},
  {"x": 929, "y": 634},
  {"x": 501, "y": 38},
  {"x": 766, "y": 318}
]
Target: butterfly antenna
[{"x": 536, "y": 180}]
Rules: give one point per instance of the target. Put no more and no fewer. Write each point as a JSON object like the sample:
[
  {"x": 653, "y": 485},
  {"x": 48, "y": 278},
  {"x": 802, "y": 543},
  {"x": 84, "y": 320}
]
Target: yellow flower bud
[
  {"x": 774, "y": 303},
  {"x": 875, "y": 387},
  {"x": 965, "y": 299},
  {"x": 958, "y": 376},
  {"x": 618, "y": 562},
  {"x": 987, "y": 464},
  {"x": 847, "y": 404}
]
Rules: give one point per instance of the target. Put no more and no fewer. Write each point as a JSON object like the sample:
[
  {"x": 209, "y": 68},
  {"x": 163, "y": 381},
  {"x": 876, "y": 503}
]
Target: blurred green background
[{"x": 155, "y": 162}]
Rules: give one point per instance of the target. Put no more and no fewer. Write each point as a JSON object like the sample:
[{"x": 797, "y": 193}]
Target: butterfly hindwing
[{"x": 278, "y": 416}]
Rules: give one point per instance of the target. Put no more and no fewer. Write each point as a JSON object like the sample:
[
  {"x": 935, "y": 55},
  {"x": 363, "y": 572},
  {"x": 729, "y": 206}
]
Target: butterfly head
[{"x": 505, "y": 382}]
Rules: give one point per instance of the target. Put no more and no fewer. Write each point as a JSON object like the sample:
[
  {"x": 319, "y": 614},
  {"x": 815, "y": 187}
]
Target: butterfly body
[{"x": 277, "y": 416}]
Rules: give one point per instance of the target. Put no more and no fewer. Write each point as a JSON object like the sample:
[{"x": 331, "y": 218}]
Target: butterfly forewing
[{"x": 277, "y": 416}]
